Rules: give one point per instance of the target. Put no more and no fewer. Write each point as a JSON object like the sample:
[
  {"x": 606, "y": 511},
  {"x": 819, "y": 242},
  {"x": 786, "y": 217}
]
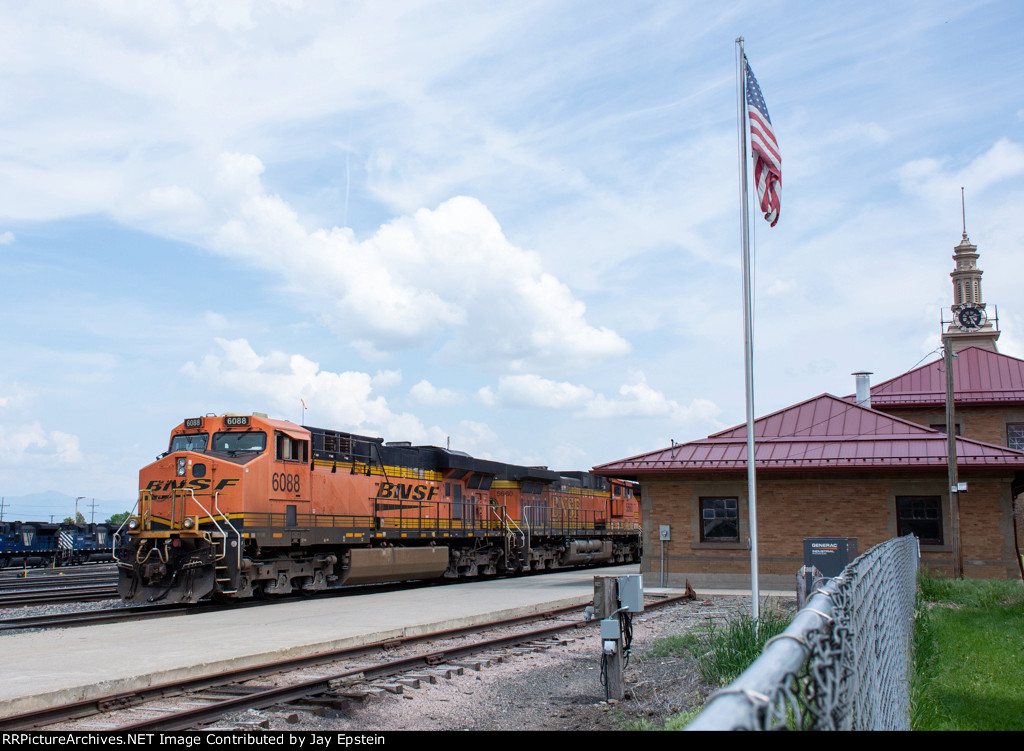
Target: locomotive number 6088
[{"x": 282, "y": 482}]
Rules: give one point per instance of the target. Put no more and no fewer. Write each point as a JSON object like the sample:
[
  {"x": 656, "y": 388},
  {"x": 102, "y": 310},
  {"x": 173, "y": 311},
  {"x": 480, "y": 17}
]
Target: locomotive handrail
[
  {"x": 509, "y": 522},
  {"x": 117, "y": 535},
  {"x": 214, "y": 521},
  {"x": 227, "y": 520}
]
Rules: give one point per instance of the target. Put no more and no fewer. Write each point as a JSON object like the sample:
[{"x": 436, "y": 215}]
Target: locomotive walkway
[{"x": 49, "y": 668}]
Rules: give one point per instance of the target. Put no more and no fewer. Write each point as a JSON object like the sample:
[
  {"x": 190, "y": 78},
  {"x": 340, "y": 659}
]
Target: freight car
[
  {"x": 244, "y": 506},
  {"x": 31, "y": 544}
]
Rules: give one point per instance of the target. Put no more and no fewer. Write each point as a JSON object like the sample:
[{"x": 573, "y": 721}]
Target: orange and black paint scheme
[{"x": 244, "y": 506}]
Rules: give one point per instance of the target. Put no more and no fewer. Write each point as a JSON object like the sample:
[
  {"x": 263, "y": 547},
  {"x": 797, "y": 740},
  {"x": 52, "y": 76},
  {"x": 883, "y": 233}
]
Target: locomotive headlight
[
  {"x": 189, "y": 523},
  {"x": 133, "y": 524},
  {"x": 182, "y": 465}
]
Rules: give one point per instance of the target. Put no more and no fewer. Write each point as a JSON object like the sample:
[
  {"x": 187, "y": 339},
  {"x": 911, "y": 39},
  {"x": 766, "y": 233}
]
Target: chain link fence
[{"x": 843, "y": 663}]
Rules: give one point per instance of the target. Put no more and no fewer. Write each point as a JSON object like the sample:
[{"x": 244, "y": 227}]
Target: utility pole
[{"x": 952, "y": 480}]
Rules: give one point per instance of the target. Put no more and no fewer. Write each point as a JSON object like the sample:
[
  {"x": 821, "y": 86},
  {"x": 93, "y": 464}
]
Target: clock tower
[{"x": 971, "y": 325}]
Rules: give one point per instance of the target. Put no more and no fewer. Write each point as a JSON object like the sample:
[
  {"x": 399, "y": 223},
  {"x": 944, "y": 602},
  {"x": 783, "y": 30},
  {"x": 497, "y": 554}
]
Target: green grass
[
  {"x": 721, "y": 653},
  {"x": 969, "y": 661}
]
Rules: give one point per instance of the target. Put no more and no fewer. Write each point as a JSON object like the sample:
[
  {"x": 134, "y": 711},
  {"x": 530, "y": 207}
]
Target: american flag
[{"x": 767, "y": 161}]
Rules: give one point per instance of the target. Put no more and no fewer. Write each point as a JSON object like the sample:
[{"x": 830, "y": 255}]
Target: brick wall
[
  {"x": 793, "y": 506},
  {"x": 986, "y": 424}
]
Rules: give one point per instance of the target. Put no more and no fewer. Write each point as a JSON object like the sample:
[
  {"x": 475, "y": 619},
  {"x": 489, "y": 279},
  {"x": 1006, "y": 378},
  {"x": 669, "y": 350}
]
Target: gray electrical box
[
  {"x": 664, "y": 532},
  {"x": 631, "y": 593},
  {"x": 610, "y": 629},
  {"x": 630, "y": 590}
]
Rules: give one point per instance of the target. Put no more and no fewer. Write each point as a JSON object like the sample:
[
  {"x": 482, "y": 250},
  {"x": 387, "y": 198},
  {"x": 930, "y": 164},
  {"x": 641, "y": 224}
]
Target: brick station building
[
  {"x": 828, "y": 467},
  {"x": 825, "y": 468}
]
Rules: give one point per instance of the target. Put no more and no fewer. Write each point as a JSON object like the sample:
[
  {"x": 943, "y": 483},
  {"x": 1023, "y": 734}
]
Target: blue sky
[{"x": 514, "y": 225}]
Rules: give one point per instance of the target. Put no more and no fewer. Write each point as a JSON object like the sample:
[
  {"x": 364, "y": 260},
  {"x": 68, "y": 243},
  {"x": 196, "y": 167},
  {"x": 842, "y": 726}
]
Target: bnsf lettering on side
[
  {"x": 204, "y": 484},
  {"x": 406, "y": 491}
]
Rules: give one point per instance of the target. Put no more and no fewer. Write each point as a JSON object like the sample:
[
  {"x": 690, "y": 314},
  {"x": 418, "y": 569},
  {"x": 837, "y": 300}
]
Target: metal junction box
[{"x": 631, "y": 593}]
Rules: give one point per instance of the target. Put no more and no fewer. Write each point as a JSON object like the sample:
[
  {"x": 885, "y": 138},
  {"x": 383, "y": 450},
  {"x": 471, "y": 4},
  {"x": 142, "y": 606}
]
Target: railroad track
[
  {"x": 128, "y": 613},
  {"x": 342, "y": 677},
  {"x": 50, "y": 596},
  {"x": 55, "y": 586},
  {"x": 54, "y": 582},
  {"x": 43, "y": 572},
  {"x": 109, "y": 615}
]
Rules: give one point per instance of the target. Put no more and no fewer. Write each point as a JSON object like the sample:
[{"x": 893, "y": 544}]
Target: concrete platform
[{"x": 46, "y": 669}]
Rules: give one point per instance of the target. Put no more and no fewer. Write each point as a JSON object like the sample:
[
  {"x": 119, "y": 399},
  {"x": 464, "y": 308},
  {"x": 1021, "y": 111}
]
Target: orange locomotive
[{"x": 243, "y": 505}]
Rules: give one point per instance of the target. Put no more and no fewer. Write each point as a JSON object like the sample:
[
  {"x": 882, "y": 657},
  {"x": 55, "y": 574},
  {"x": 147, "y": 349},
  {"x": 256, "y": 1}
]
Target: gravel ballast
[{"x": 554, "y": 689}]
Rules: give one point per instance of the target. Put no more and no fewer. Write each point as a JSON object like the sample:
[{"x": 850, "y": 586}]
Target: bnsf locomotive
[{"x": 243, "y": 505}]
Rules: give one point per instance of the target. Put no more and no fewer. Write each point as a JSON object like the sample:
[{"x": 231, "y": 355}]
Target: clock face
[{"x": 969, "y": 318}]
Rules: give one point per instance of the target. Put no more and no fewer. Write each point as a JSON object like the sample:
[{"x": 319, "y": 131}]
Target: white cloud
[
  {"x": 385, "y": 379},
  {"x": 638, "y": 399},
  {"x": 31, "y": 444},
  {"x": 344, "y": 400},
  {"x": 6, "y": 238},
  {"x": 427, "y": 394},
  {"x": 444, "y": 275},
  {"x": 781, "y": 287},
  {"x": 534, "y": 392},
  {"x": 931, "y": 178},
  {"x": 635, "y": 399}
]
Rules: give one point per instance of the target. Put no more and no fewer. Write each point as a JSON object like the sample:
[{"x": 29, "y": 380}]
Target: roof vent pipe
[{"x": 863, "y": 388}]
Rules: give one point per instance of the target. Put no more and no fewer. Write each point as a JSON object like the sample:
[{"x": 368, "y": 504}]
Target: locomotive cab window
[
  {"x": 189, "y": 442},
  {"x": 291, "y": 449},
  {"x": 239, "y": 441}
]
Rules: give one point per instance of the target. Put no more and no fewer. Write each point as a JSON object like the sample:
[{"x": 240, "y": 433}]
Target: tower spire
[
  {"x": 971, "y": 325},
  {"x": 963, "y": 210}
]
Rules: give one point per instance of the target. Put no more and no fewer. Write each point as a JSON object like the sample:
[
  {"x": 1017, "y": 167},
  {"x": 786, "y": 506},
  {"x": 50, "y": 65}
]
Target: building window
[
  {"x": 1015, "y": 437},
  {"x": 719, "y": 520},
  {"x": 920, "y": 515}
]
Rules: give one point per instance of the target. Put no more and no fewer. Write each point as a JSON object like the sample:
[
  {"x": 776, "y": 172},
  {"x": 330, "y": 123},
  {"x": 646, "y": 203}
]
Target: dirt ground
[{"x": 556, "y": 689}]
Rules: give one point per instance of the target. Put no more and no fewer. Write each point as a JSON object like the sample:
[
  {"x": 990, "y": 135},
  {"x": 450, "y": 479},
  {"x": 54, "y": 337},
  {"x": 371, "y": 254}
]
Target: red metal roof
[
  {"x": 823, "y": 433},
  {"x": 979, "y": 377}
]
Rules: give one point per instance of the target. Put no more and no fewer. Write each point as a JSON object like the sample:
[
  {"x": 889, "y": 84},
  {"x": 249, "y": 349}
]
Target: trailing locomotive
[
  {"x": 242, "y": 506},
  {"x": 28, "y": 544}
]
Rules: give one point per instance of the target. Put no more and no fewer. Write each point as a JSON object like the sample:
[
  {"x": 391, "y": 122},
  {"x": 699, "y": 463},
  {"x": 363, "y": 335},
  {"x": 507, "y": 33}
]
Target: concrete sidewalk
[{"x": 50, "y": 668}]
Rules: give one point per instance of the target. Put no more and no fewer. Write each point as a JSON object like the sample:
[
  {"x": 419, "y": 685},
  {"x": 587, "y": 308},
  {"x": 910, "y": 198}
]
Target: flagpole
[{"x": 748, "y": 329}]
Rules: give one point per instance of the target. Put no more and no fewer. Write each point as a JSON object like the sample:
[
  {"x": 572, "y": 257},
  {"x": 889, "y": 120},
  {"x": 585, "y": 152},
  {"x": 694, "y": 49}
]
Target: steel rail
[
  {"x": 199, "y": 716},
  {"x": 98, "y": 705},
  {"x": 49, "y": 596}
]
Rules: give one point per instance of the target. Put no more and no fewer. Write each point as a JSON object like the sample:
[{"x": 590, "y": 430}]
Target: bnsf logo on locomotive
[
  {"x": 406, "y": 492},
  {"x": 203, "y": 484}
]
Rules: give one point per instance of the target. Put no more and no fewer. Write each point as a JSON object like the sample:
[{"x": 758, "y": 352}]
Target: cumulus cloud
[
  {"x": 635, "y": 399},
  {"x": 385, "y": 379},
  {"x": 31, "y": 444},
  {"x": 348, "y": 401},
  {"x": 446, "y": 276},
  {"x": 931, "y": 178},
  {"x": 532, "y": 391},
  {"x": 427, "y": 394}
]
